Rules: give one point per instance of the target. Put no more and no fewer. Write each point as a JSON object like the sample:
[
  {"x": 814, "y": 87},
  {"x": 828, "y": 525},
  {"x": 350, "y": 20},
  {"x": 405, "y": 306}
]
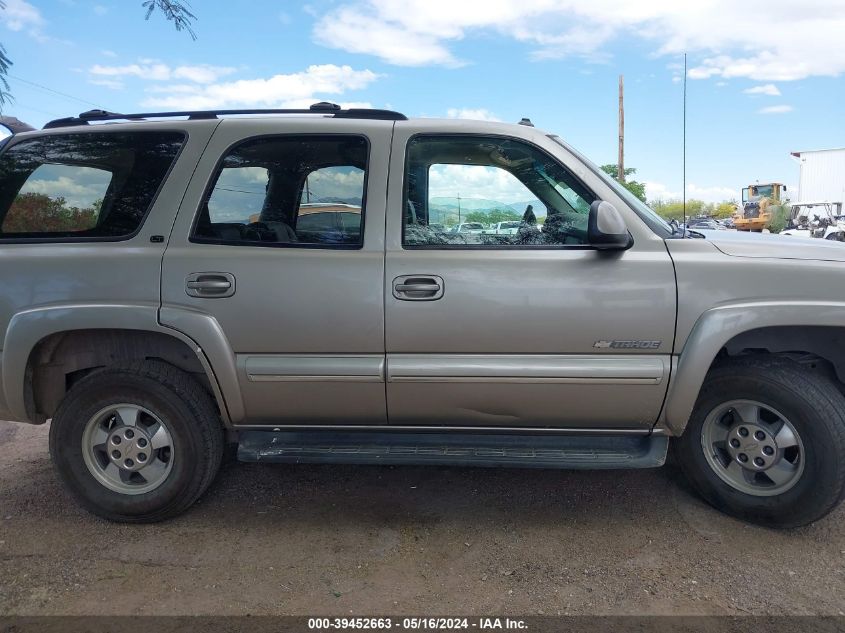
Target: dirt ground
[{"x": 316, "y": 540}]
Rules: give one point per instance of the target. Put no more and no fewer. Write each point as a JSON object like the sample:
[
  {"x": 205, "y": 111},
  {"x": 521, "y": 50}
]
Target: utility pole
[
  {"x": 620, "y": 164},
  {"x": 459, "y": 208}
]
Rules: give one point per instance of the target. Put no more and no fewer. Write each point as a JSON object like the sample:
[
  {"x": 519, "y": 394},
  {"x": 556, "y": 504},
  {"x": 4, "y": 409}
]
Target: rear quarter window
[{"x": 97, "y": 185}]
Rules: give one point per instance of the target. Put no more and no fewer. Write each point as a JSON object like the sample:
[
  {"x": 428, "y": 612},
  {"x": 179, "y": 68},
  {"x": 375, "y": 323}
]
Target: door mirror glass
[{"x": 606, "y": 229}]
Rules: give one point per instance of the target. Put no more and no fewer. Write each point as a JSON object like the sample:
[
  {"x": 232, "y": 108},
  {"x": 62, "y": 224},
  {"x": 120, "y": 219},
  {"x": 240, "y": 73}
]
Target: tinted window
[
  {"x": 95, "y": 185},
  {"x": 471, "y": 184},
  {"x": 291, "y": 190}
]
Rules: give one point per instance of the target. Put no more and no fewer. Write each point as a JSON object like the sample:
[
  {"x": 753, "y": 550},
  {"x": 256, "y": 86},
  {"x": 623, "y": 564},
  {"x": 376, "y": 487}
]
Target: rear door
[
  {"x": 526, "y": 328},
  {"x": 281, "y": 240}
]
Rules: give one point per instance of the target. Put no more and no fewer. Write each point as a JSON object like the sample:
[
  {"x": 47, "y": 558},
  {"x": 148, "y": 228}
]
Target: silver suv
[{"x": 173, "y": 282}]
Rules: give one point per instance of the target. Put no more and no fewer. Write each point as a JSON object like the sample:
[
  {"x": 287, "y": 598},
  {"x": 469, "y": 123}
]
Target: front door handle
[
  {"x": 210, "y": 285},
  {"x": 418, "y": 287}
]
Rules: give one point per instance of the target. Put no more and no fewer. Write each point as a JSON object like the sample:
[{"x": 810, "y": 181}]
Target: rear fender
[{"x": 27, "y": 328}]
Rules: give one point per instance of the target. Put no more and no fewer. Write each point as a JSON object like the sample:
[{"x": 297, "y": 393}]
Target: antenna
[
  {"x": 620, "y": 163},
  {"x": 685, "y": 143}
]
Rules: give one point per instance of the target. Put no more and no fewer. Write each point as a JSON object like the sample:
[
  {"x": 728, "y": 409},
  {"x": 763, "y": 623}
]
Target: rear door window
[
  {"x": 288, "y": 191},
  {"x": 93, "y": 185}
]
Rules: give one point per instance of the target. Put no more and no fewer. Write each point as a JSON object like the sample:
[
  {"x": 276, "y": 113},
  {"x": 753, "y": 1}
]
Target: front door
[
  {"x": 498, "y": 313},
  {"x": 281, "y": 240}
]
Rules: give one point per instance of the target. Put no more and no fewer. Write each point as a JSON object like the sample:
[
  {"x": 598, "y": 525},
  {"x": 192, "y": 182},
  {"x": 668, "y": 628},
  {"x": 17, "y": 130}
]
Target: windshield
[
  {"x": 761, "y": 191},
  {"x": 648, "y": 216}
]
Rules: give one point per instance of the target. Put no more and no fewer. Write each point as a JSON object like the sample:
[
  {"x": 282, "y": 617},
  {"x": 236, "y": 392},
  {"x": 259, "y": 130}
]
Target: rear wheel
[
  {"x": 766, "y": 442},
  {"x": 137, "y": 442}
]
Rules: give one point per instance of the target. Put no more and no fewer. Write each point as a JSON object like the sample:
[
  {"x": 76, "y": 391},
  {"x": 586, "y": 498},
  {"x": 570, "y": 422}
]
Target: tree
[
  {"x": 724, "y": 209},
  {"x": 494, "y": 216},
  {"x": 635, "y": 187},
  {"x": 177, "y": 11},
  {"x": 37, "y": 212},
  {"x": 674, "y": 209},
  {"x": 780, "y": 216}
]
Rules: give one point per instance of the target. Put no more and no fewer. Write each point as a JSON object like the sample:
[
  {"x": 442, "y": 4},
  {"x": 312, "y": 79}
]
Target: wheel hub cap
[
  {"x": 753, "y": 447},
  {"x": 128, "y": 449}
]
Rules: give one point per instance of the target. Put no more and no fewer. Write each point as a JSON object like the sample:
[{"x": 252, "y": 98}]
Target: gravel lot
[{"x": 312, "y": 540}]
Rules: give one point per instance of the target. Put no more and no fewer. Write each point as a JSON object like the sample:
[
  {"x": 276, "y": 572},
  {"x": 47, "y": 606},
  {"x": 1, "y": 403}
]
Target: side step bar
[{"x": 453, "y": 449}]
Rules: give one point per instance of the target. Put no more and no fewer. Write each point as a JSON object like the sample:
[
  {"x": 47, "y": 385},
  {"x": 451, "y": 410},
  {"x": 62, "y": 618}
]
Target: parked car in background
[
  {"x": 506, "y": 228},
  {"x": 469, "y": 228},
  {"x": 710, "y": 225}
]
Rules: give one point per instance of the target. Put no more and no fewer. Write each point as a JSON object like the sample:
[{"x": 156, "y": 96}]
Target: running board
[{"x": 454, "y": 449}]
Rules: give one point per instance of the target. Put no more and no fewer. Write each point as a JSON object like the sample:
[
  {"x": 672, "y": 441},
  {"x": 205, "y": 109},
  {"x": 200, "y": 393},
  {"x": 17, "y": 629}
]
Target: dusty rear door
[{"x": 280, "y": 240}]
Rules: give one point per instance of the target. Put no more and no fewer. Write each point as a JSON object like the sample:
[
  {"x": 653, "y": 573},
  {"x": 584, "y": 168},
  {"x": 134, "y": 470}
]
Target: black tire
[
  {"x": 815, "y": 407},
  {"x": 176, "y": 398}
]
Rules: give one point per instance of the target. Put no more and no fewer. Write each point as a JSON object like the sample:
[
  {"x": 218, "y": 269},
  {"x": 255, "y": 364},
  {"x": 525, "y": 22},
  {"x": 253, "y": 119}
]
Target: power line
[
  {"x": 27, "y": 107},
  {"x": 56, "y": 92}
]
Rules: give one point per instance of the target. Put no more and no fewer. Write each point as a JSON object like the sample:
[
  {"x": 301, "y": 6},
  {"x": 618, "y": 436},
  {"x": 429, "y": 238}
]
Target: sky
[{"x": 764, "y": 77}]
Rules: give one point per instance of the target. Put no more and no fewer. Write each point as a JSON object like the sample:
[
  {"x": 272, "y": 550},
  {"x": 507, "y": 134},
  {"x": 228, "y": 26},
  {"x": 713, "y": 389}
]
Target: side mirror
[{"x": 606, "y": 229}]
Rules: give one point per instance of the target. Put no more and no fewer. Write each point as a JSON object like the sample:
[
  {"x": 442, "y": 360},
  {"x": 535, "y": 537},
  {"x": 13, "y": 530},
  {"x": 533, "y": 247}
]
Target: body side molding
[
  {"x": 313, "y": 367},
  {"x": 530, "y": 368}
]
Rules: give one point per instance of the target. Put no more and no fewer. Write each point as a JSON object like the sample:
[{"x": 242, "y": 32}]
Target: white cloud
[
  {"x": 114, "y": 84},
  {"x": 476, "y": 182},
  {"x": 710, "y": 194},
  {"x": 20, "y": 15},
  {"x": 659, "y": 191},
  {"x": 73, "y": 188},
  {"x": 108, "y": 53},
  {"x": 295, "y": 90},
  {"x": 202, "y": 74},
  {"x": 422, "y": 32},
  {"x": 156, "y": 71},
  {"x": 99, "y": 9},
  {"x": 360, "y": 32},
  {"x": 770, "y": 90},
  {"x": 478, "y": 114},
  {"x": 777, "y": 109}
]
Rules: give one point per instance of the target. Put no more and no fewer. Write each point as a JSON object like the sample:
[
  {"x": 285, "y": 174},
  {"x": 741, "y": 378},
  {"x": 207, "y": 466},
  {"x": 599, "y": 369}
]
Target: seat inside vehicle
[{"x": 287, "y": 191}]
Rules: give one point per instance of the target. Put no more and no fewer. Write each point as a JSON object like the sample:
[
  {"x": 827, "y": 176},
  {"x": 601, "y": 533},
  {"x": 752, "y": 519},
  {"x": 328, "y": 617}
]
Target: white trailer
[
  {"x": 822, "y": 175},
  {"x": 819, "y": 210}
]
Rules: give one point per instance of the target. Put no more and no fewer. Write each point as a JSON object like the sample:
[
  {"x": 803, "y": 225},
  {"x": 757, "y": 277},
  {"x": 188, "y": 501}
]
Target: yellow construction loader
[{"x": 755, "y": 214}]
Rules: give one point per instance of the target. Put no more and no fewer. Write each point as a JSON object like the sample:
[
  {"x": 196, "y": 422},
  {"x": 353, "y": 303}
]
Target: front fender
[{"x": 719, "y": 325}]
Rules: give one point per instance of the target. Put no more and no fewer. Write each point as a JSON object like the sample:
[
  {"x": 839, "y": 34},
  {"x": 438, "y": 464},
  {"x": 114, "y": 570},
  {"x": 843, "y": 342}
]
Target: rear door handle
[
  {"x": 210, "y": 285},
  {"x": 418, "y": 287}
]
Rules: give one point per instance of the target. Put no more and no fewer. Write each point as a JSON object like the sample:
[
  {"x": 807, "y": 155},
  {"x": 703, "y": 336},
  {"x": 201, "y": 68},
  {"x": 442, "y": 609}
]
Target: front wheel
[
  {"x": 137, "y": 442},
  {"x": 766, "y": 442}
]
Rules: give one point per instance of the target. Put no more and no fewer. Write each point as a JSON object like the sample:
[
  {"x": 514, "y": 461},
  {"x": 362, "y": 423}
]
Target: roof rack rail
[{"x": 324, "y": 107}]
